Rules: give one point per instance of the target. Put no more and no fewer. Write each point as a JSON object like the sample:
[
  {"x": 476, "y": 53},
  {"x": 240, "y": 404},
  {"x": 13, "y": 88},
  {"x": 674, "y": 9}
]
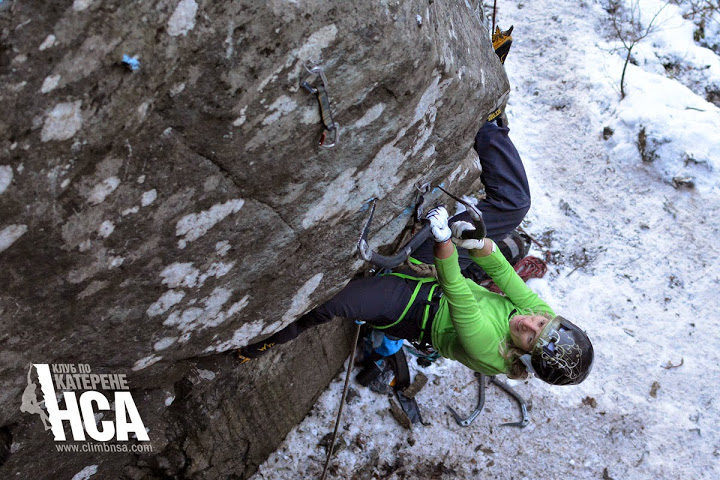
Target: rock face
[{"x": 164, "y": 200}]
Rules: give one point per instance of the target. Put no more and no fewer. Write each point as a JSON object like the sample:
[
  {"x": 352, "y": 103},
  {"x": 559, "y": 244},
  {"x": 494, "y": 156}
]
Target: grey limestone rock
[{"x": 154, "y": 219}]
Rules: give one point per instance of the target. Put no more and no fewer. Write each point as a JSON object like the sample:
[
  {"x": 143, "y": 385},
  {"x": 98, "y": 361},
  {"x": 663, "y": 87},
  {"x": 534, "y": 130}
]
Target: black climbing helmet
[{"x": 562, "y": 354}]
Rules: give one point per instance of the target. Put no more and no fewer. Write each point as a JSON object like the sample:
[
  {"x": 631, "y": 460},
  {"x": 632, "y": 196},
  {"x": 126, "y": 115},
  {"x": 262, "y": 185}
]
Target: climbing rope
[{"x": 526, "y": 268}]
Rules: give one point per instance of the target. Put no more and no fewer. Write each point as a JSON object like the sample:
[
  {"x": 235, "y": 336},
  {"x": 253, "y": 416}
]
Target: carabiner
[{"x": 331, "y": 134}]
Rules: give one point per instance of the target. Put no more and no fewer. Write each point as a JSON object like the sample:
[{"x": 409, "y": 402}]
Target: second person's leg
[{"x": 503, "y": 175}]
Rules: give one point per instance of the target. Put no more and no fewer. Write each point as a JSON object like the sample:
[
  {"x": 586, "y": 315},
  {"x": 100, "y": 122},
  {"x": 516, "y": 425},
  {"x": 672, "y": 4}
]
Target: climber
[{"x": 489, "y": 333}]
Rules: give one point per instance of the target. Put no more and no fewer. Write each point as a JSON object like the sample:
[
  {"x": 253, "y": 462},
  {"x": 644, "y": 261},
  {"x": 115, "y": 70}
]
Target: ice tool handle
[
  {"x": 331, "y": 134},
  {"x": 466, "y": 421},
  {"x": 382, "y": 261}
]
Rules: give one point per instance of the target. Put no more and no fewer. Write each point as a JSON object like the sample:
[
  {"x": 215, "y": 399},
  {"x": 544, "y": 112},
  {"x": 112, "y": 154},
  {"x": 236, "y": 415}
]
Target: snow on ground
[{"x": 636, "y": 264}]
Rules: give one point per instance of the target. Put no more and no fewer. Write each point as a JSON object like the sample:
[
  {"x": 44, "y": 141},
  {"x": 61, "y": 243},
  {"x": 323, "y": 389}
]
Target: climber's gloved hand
[
  {"x": 438, "y": 218},
  {"x": 465, "y": 235}
]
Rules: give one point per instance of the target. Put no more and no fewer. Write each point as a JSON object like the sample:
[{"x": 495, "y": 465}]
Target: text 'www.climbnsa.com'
[{"x": 89, "y": 447}]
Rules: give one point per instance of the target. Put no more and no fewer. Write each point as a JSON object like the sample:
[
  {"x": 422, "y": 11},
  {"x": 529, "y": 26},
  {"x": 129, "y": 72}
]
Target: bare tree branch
[{"x": 626, "y": 20}]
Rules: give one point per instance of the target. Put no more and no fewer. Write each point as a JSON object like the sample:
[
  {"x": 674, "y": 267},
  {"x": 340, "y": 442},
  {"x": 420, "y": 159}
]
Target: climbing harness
[
  {"x": 342, "y": 398},
  {"x": 465, "y": 422},
  {"x": 331, "y": 134}
]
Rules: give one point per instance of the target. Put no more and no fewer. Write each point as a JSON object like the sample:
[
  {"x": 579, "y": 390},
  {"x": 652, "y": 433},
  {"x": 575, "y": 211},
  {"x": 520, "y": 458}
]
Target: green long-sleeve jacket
[{"x": 472, "y": 321}]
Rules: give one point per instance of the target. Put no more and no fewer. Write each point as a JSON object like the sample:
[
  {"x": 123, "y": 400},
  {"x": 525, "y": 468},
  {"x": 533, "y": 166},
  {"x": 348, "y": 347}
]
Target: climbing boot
[
  {"x": 502, "y": 40},
  {"x": 499, "y": 116},
  {"x": 242, "y": 357},
  {"x": 254, "y": 350}
]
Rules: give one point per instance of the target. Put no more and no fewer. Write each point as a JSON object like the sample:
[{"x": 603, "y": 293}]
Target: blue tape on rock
[{"x": 131, "y": 62}]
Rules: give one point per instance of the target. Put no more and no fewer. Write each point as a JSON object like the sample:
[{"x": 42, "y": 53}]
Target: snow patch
[
  {"x": 146, "y": 362},
  {"x": 63, "y": 122},
  {"x": 165, "y": 302},
  {"x": 301, "y": 301},
  {"x": 177, "y": 89},
  {"x": 217, "y": 269},
  {"x": 196, "y": 318},
  {"x": 206, "y": 374},
  {"x": 183, "y": 18},
  {"x": 241, "y": 119},
  {"x": 370, "y": 116},
  {"x": 49, "y": 42},
  {"x": 49, "y": 84},
  {"x": 106, "y": 228},
  {"x": 312, "y": 48},
  {"x": 80, "y": 5},
  {"x": 94, "y": 287},
  {"x": 10, "y": 234},
  {"x": 86, "y": 473},
  {"x": 164, "y": 343},
  {"x": 6, "y": 176},
  {"x": 180, "y": 275},
  {"x": 222, "y": 248},
  {"x": 142, "y": 110},
  {"x": 281, "y": 106},
  {"x": 242, "y": 336},
  {"x": 101, "y": 191},
  {"x": 148, "y": 197},
  {"x": 334, "y": 201},
  {"x": 195, "y": 225}
]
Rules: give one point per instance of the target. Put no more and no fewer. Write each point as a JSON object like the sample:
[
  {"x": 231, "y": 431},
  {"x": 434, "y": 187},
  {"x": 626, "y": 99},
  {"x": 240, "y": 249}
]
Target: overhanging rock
[{"x": 175, "y": 206}]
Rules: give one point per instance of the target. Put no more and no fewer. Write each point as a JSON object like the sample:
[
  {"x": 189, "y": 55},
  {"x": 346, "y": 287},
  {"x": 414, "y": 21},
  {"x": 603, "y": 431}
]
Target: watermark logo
[{"x": 82, "y": 391}]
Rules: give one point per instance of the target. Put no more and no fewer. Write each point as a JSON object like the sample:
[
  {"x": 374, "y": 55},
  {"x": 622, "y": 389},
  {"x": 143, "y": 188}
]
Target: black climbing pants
[{"x": 379, "y": 301}]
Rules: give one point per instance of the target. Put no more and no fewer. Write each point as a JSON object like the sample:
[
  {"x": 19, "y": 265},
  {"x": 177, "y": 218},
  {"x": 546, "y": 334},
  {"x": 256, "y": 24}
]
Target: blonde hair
[
  {"x": 511, "y": 353},
  {"x": 515, "y": 368}
]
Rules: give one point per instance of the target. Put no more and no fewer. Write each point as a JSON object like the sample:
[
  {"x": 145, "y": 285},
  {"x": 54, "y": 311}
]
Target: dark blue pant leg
[
  {"x": 503, "y": 175},
  {"x": 506, "y": 186}
]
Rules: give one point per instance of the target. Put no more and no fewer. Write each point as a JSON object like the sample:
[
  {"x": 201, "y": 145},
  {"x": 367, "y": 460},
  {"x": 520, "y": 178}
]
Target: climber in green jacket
[
  {"x": 493, "y": 334},
  {"x": 489, "y": 333}
]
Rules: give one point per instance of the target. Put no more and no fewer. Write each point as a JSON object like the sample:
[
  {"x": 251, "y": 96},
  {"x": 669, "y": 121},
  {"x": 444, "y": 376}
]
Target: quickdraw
[{"x": 331, "y": 134}]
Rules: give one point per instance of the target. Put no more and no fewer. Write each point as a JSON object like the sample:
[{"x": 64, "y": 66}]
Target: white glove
[
  {"x": 438, "y": 218},
  {"x": 461, "y": 227}
]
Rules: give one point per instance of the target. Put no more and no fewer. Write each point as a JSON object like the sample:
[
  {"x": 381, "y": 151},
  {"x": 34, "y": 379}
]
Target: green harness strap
[
  {"x": 426, "y": 314},
  {"x": 420, "y": 281}
]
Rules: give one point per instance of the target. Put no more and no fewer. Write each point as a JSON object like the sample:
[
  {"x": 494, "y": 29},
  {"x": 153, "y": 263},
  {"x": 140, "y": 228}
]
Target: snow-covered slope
[{"x": 636, "y": 264}]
